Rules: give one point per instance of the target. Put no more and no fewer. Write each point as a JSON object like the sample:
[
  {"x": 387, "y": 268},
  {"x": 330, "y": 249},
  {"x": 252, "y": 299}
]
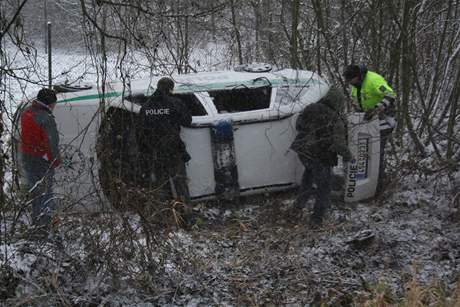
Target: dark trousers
[
  {"x": 316, "y": 181},
  {"x": 39, "y": 182},
  {"x": 165, "y": 173},
  {"x": 146, "y": 169},
  {"x": 171, "y": 178}
]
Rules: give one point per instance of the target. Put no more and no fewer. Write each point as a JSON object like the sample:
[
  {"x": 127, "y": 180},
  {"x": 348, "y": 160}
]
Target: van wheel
[{"x": 118, "y": 156}]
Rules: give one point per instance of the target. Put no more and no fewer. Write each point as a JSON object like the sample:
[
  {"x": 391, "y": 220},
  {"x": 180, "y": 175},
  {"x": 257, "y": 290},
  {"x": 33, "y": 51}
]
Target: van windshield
[
  {"x": 192, "y": 103},
  {"x": 241, "y": 99}
]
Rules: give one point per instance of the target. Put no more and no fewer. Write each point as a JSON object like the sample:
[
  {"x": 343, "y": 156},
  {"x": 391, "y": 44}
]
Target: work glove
[
  {"x": 370, "y": 113},
  {"x": 347, "y": 156},
  {"x": 186, "y": 157}
]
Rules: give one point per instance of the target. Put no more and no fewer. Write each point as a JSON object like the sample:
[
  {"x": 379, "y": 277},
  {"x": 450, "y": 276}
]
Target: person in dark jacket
[
  {"x": 321, "y": 137},
  {"x": 163, "y": 152},
  {"x": 39, "y": 156}
]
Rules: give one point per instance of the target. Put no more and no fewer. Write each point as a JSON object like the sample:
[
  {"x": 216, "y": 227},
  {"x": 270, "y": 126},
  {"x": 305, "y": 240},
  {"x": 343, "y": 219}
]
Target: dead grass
[{"x": 416, "y": 295}]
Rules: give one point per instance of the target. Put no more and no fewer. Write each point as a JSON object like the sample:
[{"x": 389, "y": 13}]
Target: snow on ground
[{"x": 254, "y": 253}]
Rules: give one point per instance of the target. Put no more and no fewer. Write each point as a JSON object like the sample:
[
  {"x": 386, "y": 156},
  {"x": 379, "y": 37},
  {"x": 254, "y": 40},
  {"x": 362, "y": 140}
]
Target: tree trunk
[
  {"x": 451, "y": 133},
  {"x": 237, "y": 32},
  {"x": 295, "y": 4},
  {"x": 2, "y": 116},
  {"x": 406, "y": 74}
]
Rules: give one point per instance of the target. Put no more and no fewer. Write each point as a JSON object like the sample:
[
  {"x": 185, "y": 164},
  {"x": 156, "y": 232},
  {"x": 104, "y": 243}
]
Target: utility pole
[
  {"x": 50, "y": 75},
  {"x": 48, "y": 42},
  {"x": 45, "y": 25}
]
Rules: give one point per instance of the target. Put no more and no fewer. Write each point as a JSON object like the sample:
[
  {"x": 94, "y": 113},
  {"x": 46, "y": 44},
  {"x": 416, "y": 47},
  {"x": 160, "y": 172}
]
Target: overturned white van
[{"x": 256, "y": 109}]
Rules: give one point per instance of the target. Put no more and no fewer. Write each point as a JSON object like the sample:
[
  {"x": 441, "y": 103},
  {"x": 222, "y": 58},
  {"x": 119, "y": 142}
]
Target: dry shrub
[
  {"x": 416, "y": 295},
  {"x": 147, "y": 203},
  {"x": 456, "y": 296},
  {"x": 379, "y": 296}
]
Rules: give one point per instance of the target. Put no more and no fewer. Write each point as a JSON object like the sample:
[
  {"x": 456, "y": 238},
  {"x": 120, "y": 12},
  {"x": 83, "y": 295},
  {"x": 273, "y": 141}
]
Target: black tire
[{"x": 118, "y": 156}]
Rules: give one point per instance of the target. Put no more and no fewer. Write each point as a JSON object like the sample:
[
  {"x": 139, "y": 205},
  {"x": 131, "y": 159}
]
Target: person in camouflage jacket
[{"x": 321, "y": 137}]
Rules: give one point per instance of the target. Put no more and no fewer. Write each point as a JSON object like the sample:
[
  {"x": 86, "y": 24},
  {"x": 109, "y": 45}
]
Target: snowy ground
[{"x": 254, "y": 253}]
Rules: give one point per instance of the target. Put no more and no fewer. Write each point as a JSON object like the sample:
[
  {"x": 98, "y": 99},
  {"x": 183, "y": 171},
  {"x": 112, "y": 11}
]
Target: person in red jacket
[{"x": 39, "y": 156}]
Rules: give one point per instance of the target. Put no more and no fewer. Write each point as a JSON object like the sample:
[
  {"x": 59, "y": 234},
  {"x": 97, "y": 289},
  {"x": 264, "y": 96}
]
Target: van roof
[
  {"x": 221, "y": 80},
  {"x": 203, "y": 82}
]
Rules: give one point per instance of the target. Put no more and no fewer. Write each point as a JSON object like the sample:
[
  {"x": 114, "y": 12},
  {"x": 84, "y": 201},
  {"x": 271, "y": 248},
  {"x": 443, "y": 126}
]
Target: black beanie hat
[
  {"x": 47, "y": 96},
  {"x": 351, "y": 71},
  {"x": 165, "y": 85}
]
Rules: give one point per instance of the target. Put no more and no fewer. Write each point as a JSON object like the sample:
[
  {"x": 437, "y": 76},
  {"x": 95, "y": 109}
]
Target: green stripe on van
[
  {"x": 187, "y": 88},
  {"x": 91, "y": 97}
]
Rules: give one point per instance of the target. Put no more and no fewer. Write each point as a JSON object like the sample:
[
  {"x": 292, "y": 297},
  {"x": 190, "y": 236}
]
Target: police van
[{"x": 243, "y": 125}]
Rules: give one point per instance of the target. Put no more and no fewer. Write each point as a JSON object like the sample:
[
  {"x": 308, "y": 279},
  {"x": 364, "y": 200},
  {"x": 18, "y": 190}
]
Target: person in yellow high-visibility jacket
[{"x": 372, "y": 94}]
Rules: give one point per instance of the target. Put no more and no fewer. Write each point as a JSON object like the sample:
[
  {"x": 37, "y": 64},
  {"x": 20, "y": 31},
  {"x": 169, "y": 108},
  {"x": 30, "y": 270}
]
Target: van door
[
  {"x": 261, "y": 139},
  {"x": 197, "y": 139},
  {"x": 263, "y": 156}
]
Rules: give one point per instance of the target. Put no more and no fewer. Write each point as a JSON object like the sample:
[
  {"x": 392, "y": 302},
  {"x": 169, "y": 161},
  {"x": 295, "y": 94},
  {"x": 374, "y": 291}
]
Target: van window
[
  {"x": 190, "y": 101},
  {"x": 241, "y": 99},
  {"x": 193, "y": 104},
  {"x": 289, "y": 95}
]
